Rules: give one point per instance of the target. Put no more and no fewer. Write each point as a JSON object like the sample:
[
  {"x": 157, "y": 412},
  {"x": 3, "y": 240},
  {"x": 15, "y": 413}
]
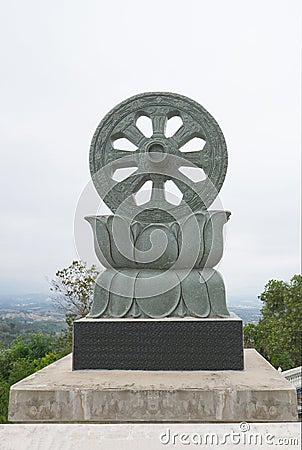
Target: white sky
[{"x": 65, "y": 64}]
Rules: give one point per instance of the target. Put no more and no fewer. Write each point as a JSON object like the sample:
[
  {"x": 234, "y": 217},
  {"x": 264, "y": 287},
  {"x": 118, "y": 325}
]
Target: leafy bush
[
  {"x": 278, "y": 335},
  {"x": 22, "y": 358}
]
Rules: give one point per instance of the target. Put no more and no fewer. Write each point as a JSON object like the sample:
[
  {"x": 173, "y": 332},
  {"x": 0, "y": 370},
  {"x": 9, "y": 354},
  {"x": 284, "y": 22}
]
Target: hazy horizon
[{"x": 233, "y": 301}]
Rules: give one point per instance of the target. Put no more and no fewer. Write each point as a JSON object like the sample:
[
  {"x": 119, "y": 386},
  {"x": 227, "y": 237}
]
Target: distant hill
[
  {"x": 249, "y": 314},
  {"x": 40, "y": 298},
  {"x": 39, "y": 307},
  {"x": 29, "y": 308},
  {"x": 24, "y": 299},
  {"x": 22, "y": 314}
]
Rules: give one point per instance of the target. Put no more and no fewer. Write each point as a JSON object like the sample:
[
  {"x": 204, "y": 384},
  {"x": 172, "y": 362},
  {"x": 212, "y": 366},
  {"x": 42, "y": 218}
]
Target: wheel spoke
[
  {"x": 158, "y": 191},
  {"x": 126, "y": 190},
  {"x": 119, "y": 159},
  {"x": 183, "y": 135},
  {"x": 187, "y": 132},
  {"x": 158, "y": 199},
  {"x": 159, "y": 124},
  {"x": 191, "y": 158},
  {"x": 188, "y": 188},
  {"x": 182, "y": 182},
  {"x": 134, "y": 135},
  {"x": 200, "y": 158},
  {"x": 118, "y": 154},
  {"x": 120, "y": 164},
  {"x": 136, "y": 182}
]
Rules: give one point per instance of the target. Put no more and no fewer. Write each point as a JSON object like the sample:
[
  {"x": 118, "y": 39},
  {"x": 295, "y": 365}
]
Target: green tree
[
  {"x": 4, "y": 396},
  {"x": 73, "y": 288},
  {"x": 278, "y": 335},
  {"x": 26, "y": 355}
]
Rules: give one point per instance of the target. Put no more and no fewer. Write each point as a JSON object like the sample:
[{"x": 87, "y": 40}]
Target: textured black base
[{"x": 197, "y": 344}]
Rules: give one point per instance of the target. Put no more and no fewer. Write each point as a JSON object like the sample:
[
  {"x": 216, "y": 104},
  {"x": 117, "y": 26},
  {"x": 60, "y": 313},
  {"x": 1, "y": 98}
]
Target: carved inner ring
[{"x": 156, "y": 152}]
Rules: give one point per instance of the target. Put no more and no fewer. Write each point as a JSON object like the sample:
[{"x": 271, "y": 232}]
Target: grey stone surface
[
  {"x": 121, "y": 243},
  {"x": 150, "y": 436},
  {"x": 151, "y": 293},
  {"x": 165, "y": 344},
  {"x": 58, "y": 394}
]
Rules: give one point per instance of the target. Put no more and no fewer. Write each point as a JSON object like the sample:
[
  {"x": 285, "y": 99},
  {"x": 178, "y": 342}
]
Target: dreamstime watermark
[{"x": 243, "y": 436}]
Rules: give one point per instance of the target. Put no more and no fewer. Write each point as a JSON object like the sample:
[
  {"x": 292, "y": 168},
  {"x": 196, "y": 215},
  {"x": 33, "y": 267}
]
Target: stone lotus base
[
  {"x": 158, "y": 344},
  {"x": 123, "y": 242},
  {"x": 156, "y": 294},
  {"x": 57, "y": 394}
]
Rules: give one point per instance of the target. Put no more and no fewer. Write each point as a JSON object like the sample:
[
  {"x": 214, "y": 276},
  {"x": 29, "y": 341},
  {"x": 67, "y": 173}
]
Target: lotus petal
[
  {"x": 157, "y": 293},
  {"x": 195, "y": 294},
  {"x": 122, "y": 293},
  {"x": 181, "y": 310},
  {"x": 156, "y": 247},
  {"x": 213, "y": 238},
  {"x": 101, "y": 293},
  {"x": 121, "y": 240},
  {"x": 102, "y": 243},
  {"x": 175, "y": 227},
  {"x": 136, "y": 228},
  {"x": 191, "y": 242},
  {"x": 216, "y": 292}
]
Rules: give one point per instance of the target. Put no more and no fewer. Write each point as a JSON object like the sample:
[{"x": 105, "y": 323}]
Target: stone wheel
[{"x": 125, "y": 157}]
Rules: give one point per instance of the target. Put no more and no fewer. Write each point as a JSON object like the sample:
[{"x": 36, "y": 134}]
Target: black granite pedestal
[{"x": 163, "y": 344}]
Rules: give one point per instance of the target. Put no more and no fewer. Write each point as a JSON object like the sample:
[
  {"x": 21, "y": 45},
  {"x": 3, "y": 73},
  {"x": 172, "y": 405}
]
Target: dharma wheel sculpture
[{"x": 159, "y": 251}]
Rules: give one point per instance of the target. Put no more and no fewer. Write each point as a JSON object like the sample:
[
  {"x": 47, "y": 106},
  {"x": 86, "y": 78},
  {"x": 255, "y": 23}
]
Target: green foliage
[
  {"x": 4, "y": 397},
  {"x": 64, "y": 341},
  {"x": 278, "y": 335},
  {"x": 47, "y": 359},
  {"x": 20, "y": 368},
  {"x": 10, "y": 329},
  {"x": 39, "y": 345},
  {"x": 251, "y": 335},
  {"x": 25, "y": 356},
  {"x": 73, "y": 287}
]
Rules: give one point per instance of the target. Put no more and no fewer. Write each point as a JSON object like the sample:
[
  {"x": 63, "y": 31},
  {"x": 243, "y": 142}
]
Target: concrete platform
[{"x": 58, "y": 394}]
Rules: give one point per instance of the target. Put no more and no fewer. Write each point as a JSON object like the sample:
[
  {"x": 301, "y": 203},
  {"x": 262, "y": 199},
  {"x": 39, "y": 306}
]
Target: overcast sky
[{"x": 65, "y": 64}]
